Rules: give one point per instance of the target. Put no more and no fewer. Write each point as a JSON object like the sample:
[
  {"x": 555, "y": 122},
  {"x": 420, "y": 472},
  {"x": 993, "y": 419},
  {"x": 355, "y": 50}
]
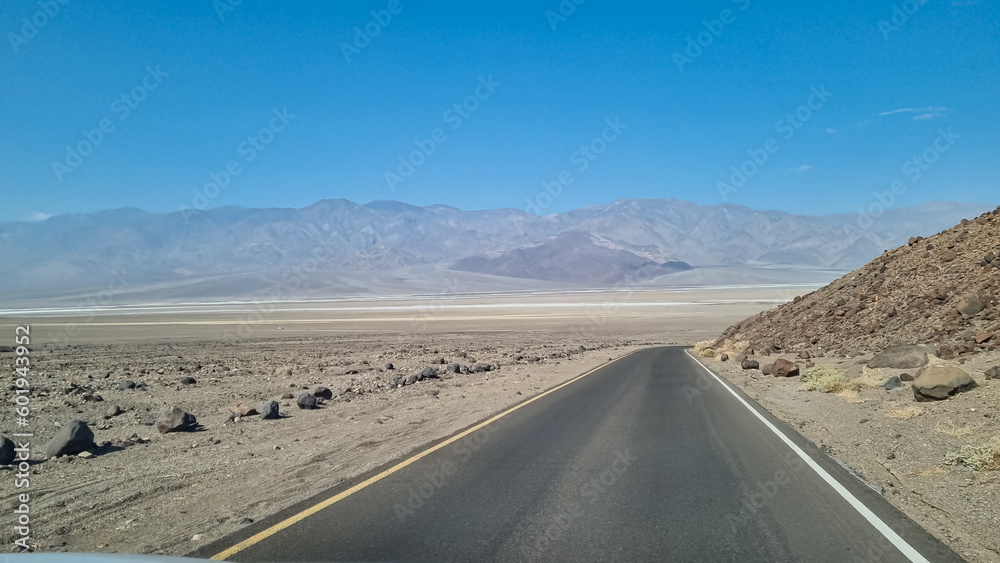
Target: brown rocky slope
[{"x": 942, "y": 290}]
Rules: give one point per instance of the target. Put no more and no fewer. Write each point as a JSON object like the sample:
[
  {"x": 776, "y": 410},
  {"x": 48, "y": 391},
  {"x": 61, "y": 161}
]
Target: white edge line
[{"x": 905, "y": 548}]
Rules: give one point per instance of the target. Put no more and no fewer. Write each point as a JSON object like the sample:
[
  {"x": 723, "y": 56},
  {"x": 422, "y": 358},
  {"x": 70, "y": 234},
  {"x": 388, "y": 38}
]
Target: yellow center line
[{"x": 261, "y": 536}]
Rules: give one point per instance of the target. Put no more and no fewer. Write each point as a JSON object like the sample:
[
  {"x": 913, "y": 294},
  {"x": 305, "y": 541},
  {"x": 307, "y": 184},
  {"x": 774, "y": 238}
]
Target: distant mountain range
[{"x": 230, "y": 251}]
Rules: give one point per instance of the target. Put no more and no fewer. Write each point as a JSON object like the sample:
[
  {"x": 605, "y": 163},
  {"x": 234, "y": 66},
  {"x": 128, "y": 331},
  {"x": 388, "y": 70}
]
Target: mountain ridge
[{"x": 341, "y": 236}]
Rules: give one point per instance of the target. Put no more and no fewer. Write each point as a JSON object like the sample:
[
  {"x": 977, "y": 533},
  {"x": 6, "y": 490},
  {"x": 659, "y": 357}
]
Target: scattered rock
[
  {"x": 453, "y": 368},
  {"x": 433, "y": 392},
  {"x": 724, "y": 357},
  {"x": 72, "y": 438},
  {"x": 428, "y": 373},
  {"x": 767, "y": 369},
  {"x": 85, "y": 455},
  {"x": 938, "y": 382},
  {"x": 900, "y": 357},
  {"x": 785, "y": 368},
  {"x": 390, "y": 366},
  {"x": 188, "y": 381},
  {"x": 7, "y": 453},
  {"x": 126, "y": 384},
  {"x": 905, "y": 377},
  {"x": 112, "y": 411},
  {"x": 949, "y": 256},
  {"x": 306, "y": 401},
  {"x": 269, "y": 411},
  {"x": 479, "y": 368},
  {"x": 242, "y": 409},
  {"x": 323, "y": 393},
  {"x": 893, "y": 383},
  {"x": 750, "y": 364},
  {"x": 410, "y": 379},
  {"x": 174, "y": 419},
  {"x": 993, "y": 373},
  {"x": 970, "y": 306},
  {"x": 804, "y": 355}
]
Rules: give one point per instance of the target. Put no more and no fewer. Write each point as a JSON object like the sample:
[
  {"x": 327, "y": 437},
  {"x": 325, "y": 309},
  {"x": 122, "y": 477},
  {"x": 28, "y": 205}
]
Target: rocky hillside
[{"x": 942, "y": 290}]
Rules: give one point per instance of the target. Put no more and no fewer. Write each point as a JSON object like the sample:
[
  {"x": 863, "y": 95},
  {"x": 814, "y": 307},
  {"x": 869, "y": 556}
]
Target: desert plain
[{"x": 140, "y": 491}]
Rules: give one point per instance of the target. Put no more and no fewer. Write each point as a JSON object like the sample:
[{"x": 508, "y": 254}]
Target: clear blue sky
[{"x": 218, "y": 79}]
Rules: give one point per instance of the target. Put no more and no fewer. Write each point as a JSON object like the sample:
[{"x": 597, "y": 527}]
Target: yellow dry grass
[
  {"x": 905, "y": 413},
  {"x": 705, "y": 349},
  {"x": 949, "y": 428},
  {"x": 734, "y": 347},
  {"x": 850, "y": 396}
]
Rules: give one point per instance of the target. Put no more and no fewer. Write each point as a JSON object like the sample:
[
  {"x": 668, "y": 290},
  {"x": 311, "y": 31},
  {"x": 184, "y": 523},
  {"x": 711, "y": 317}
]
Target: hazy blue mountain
[{"x": 230, "y": 249}]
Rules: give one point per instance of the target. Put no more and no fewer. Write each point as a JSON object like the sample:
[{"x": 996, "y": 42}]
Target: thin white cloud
[
  {"x": 924, "y": 116},
  {"x": 800, "y": 169},
  {"x": 38, "y": 216},
  {"x": 831, "y": 130},
  {"x": 930, "y": 109}
]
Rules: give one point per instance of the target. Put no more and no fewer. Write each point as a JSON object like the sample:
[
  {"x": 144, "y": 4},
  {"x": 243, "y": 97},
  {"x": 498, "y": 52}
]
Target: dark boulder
[
  {"x": 72, "y": 438},
  {"x": 269, "y": 411},
  {"x": 174, "y": 419},
  {"x": 306, "y": 401}
]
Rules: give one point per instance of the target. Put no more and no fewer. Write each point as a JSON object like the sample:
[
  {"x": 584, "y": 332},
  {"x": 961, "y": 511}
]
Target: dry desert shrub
[
  {"x": 850, "y": 396},
  {"x": 905, "y": 413},
  {"x": 734, "y": 347},
  {"x": 984, "y": 457},
  {"x": 949, "y": 428},
  {"x": 825, "y": 379},
  {"x": 705, "y": 349}
]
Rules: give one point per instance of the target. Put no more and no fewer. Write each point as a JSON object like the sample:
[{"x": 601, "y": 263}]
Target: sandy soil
[
  {"x": 901, "y": 457},
  {"x": 146, "y": 492}
]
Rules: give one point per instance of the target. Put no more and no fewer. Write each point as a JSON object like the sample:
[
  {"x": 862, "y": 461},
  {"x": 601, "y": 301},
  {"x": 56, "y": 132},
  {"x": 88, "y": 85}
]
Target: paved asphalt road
[{"x": 648, "y": 458}]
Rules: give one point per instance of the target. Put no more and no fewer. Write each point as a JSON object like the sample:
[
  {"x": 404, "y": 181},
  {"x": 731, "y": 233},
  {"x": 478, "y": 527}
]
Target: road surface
[{"x": 649, "y": 458}]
